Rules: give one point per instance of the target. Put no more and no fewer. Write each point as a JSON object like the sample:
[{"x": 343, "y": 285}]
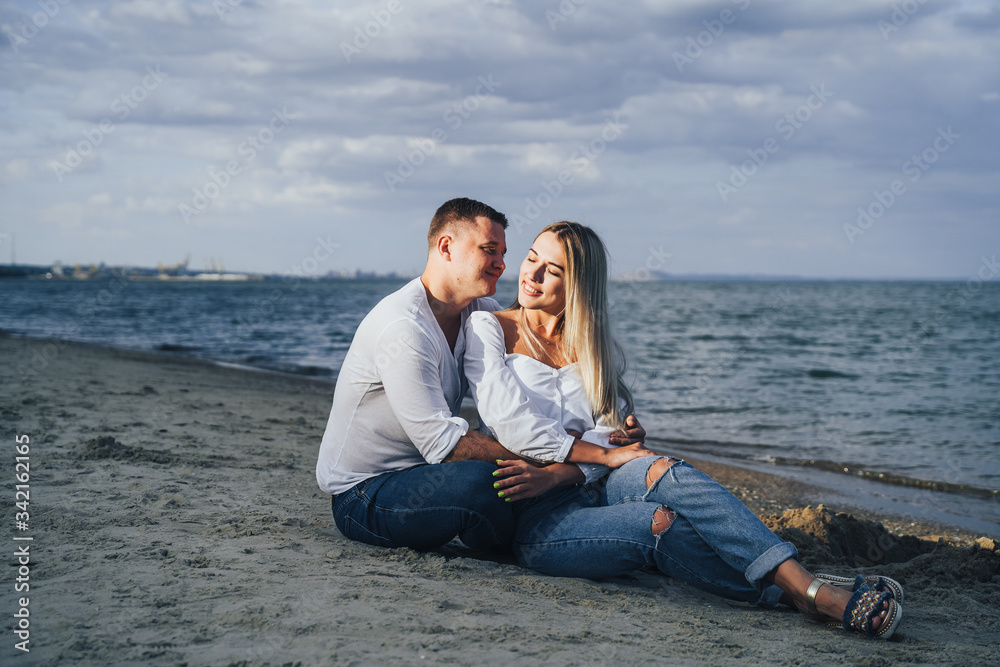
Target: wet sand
[{"x": 176, "y": 520}]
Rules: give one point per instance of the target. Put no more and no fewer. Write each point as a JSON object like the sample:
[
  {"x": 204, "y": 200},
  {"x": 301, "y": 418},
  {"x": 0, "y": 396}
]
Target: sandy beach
[{"x": 175, "y": 519}]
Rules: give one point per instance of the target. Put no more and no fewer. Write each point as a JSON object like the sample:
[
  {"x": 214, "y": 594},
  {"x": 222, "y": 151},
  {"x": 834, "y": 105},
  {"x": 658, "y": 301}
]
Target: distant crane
[
  {"x": 211, "y": 266},
  {"x": 176, "y": 269}
]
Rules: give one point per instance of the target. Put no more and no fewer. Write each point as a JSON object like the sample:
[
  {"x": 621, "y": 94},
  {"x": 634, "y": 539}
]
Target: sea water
[{"x": 885, "y": 389}]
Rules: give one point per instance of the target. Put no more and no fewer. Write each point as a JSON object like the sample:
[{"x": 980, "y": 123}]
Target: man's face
[{"x": 477, "y": 252}]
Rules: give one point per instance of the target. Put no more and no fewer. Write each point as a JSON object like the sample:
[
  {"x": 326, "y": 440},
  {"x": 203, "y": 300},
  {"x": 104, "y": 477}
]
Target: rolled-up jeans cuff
[{"x": 769, "y": 560}]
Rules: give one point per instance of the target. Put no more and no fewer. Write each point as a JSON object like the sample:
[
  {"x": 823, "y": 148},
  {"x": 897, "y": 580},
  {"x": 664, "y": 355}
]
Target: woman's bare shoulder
[
  {"x": 507, "y": 318},
  {"x": 508, "y": 322}
]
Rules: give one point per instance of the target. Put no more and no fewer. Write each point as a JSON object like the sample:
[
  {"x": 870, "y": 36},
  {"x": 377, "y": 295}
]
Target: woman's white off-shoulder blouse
[{"x": 528, "y": 406}]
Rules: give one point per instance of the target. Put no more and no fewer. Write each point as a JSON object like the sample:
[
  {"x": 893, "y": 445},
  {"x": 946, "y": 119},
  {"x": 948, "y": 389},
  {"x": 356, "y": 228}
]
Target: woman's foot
[
  {"x": 877, "y": 582},
  {"x": 866, "y": 610},
  {"x": 825, "y": 602}
]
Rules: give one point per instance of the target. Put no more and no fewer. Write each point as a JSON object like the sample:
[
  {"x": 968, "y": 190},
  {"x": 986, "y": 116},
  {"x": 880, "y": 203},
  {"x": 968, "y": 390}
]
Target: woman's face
[{"x": 542, "y": 277}]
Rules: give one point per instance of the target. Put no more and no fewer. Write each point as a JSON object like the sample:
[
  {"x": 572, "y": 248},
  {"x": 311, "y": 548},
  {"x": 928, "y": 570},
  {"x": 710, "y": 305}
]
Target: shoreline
[
  {"x": 175, "y": 518},
  {"x": 843, "y": 493}
]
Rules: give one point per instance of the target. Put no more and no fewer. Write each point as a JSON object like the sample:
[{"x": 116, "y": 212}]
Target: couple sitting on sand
[{"x": 565, "y": 478}]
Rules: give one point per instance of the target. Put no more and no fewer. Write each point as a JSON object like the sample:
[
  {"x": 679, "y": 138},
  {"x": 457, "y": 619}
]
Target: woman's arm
[{"x": 587, "y": 452}]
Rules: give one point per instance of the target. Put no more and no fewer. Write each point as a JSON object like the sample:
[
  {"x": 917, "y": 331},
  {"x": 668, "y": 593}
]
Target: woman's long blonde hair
[{"x": 584, "y": 323}]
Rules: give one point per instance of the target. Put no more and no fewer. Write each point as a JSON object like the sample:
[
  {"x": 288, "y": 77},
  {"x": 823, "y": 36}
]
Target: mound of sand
[{"x": 837, "y": 538}]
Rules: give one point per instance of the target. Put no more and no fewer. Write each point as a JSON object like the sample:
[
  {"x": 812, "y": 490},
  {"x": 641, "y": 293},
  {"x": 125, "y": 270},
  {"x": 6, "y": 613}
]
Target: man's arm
[
  {"x": 408, "y": 366},
  {"x": 475, "y": 446}
]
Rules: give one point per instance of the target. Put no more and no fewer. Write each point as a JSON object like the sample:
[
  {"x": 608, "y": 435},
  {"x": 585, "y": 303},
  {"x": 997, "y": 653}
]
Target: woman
[{"x": 540, "y": 371}]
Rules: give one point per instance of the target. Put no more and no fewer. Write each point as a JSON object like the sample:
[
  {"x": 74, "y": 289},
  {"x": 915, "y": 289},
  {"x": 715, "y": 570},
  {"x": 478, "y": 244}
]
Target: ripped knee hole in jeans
[{"x": 663, "y": 517}]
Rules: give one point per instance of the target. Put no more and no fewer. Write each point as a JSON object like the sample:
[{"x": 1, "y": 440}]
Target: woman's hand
[
  {"x": 622, "y": 455},
  {"x": 517, "y": 480}
]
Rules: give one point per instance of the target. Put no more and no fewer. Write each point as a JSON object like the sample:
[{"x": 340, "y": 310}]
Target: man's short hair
[{"x": 462, "y": 209}]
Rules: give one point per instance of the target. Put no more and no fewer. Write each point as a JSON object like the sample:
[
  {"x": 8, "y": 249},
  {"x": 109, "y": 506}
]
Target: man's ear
[{"x": 444, "y": 246}]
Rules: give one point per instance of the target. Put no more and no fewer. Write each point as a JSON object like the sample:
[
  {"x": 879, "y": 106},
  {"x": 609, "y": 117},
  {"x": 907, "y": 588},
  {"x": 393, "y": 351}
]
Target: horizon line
[{"x": 359, "y": 274}]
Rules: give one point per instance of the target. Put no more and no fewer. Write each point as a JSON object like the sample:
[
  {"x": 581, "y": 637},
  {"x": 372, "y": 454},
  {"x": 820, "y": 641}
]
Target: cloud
[
  {"x": 494, "y": 100},
  {"x": 171, "y": 11}
]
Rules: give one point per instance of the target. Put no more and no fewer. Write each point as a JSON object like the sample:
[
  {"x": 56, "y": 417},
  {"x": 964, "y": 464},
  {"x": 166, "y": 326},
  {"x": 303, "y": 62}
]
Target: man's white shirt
[{"x": 398, "y": 394}]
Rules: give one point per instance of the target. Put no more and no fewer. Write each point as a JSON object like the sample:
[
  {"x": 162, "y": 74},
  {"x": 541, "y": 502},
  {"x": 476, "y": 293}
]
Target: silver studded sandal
[
  {"x": 865, "y": 605},
  {"x": 877, "y": 582}
]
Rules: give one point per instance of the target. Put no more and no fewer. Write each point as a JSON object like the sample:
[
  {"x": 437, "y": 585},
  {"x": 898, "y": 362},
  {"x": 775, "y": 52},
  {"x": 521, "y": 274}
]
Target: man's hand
[{"x": 634, "y": 433}]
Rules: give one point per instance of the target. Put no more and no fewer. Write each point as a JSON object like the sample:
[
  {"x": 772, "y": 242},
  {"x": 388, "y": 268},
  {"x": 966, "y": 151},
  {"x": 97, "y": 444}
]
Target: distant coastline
[
  {"x": 182, "y": 273},
  {"x": 178, "y": 273}
]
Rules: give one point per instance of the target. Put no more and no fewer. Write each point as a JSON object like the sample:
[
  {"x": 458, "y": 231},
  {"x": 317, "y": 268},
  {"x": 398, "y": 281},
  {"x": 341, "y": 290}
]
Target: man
[{"x": 403, "y": 468}]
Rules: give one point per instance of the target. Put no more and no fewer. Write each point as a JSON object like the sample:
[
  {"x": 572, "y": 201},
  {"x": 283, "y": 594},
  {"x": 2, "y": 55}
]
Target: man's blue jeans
[
  {"x": 715, "y": 542},
  {"x": 426, "y": 506}
]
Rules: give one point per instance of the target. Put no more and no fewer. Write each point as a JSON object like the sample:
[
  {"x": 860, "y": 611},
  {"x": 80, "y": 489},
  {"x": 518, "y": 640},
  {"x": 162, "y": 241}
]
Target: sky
[{"x": 851, "y": 139}]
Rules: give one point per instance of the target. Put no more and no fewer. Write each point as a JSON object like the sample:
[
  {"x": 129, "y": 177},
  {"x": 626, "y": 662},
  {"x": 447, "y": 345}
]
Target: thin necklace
[
  {"x": 539, "y": 336},
  {"x": 532, "y": 328}
]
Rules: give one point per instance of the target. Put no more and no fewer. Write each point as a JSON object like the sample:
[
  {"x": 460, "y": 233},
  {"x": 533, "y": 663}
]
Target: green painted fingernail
[
  {"x": 496, "y": 485},
  {"x": 506, "y": 500},
  {"x": 499, "y": 461},
  {"x": 496, "y": 472},
  {"x": 500, "y": 494}
]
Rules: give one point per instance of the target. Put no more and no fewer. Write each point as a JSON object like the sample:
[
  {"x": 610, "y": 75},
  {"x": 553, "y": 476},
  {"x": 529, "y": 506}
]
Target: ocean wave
[
  {"x": 823, "y": 373},
  {"x": 740, "y": 451},
  {"x": 173, "y": 347}
]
